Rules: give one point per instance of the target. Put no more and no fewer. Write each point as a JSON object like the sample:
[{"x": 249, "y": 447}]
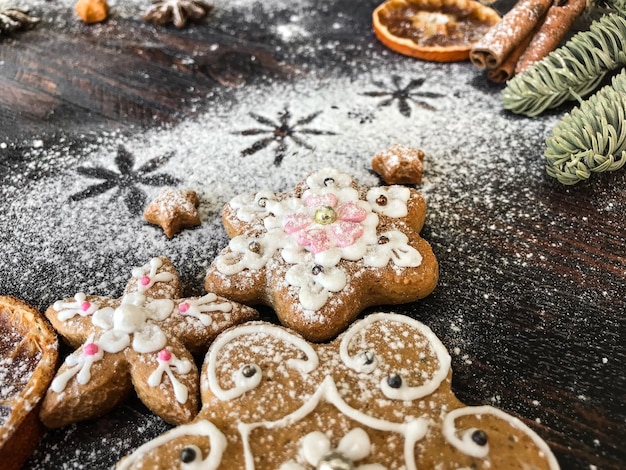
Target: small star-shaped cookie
[
  {"x": 142, "y": 341},
  {"x": 323, "y": 253},
  {"x": 173, "y": 210},
  {"x": 399, "y": 164}
]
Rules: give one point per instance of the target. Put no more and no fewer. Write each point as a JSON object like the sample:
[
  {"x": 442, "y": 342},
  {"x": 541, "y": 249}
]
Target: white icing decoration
[
  {"x": 197, "y": 307},
  {"x": 340, "y": 179},
  {"x": 165, "y": 366},
  {"x": 241, "y": 257},
  {"x": 114, "y": 341},
  {"x": 243, "y": 384},
  {"x": 67, "y": 310},
  {"x": 149, "y": 271},
  {"x": 149, "y": 338},
  {"x": 396, "y": 204},
  {"x": 79, "y": 364},
  {"x": 345, "y": 229},
  {"x": 133, "y": 316},
  {"x": 412, "y": 431},
  {"x": 315, "y": 289},
  {"x": 199, "y": 428},
  {"x": 103, "y": 318},
  {"x": 397, "y": 249},
  {"x": 468, "y": 447},
  {"x": 315, "y": 446},
  {"x": 405, "y": 392},
  {"x": 248, "y": 208}
]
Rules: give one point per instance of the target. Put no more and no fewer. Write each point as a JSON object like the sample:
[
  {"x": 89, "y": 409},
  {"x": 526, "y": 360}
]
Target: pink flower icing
[
  {"x": 145, "y": 280},
  {"x": 182, "y": 308},
  {"x": 85, "y": 306},
  {"x": 343, "y": 229}
]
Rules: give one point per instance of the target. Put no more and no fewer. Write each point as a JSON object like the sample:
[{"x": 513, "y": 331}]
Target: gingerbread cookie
[
  {"x": 174, "y": 210},
  {"x": 28, "y": 359},
  {"x": 377, "y": 397},
  {"x": 399, "y": 164},
  {"x": 143, "y": 340},
  {"x": 323, "y": 253}
]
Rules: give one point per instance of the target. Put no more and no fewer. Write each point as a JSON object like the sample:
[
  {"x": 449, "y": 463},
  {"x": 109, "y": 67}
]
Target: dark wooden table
[{"x": 532, "y": 296}]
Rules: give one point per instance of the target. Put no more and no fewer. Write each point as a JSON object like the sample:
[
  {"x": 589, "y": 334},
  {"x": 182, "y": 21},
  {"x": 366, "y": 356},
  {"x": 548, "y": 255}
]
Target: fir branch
[
  {"x": 572, "y": 71},
  {"x": 592, "y": 138}
]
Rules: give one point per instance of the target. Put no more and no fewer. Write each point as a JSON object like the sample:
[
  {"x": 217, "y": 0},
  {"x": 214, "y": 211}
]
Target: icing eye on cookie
[
  {"x": 377, "y": 398},
  {"x": 190, "y": 454}
]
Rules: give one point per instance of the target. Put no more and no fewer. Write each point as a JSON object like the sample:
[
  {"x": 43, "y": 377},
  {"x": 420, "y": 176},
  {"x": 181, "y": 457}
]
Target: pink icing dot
[
  {"x": 182, "y": 308},
  {"x": 91, "y": 349},
  {"x": 165, "y": 355},
  {"x": 85, "y": 306},
  {"x": 145, "y": 280}
]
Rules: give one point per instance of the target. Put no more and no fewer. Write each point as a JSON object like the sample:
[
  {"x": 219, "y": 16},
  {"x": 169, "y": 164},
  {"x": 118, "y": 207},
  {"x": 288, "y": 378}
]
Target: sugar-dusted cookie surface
[
  {"x": 324, "y": 252},
  {"x": 143, "y": 340},
  {"x": 377, "y": 397}
]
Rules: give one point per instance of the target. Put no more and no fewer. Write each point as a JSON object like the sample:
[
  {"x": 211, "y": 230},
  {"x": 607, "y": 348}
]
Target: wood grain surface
[{"x": 537, "y": 273}]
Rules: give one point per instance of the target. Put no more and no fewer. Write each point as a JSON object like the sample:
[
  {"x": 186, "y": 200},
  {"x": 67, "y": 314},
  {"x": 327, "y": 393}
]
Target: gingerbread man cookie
[
  {"x": 323, "y": 253},
  {"x": 377, "y": 397},
  {"x": 143, "y": 340}
]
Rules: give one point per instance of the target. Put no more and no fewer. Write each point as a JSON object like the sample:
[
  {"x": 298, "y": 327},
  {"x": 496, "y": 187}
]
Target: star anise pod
[
  {"x": 13, "y": 19},
  {"x": 176, "y": 11}
]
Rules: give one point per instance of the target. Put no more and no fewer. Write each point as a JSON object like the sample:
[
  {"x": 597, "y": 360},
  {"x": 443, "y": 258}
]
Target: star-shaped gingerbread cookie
[
  {"x": 378, "y": 398},
  {"x": 173, "y": 210},
  {"x": 323, "y": 253},
  {"x": 143, "y": 340}
]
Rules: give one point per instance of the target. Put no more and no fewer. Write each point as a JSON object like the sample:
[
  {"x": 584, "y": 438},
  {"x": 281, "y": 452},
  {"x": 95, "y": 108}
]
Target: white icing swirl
[
  {"x": 79, "y": 364},
  {"x": 79, "y": 306},
  {"x": 168, "y": 361},
  {"x": 135, "y": 317},
  {"x": 252, "y": 207},
  {"x": 412, "y": 431},
  {"x": 394, "y": 200},
  {"x": 315, "y": 283},
  {"x": 304, "y": 366},
  {"x": 202, "y": 427},
  {"x": 329, "y": 177},
  {"x": 395, "y": 247},
  {"x": 466, "y": 445},
  {"x": 147, "y": 275},
  {"x": 197, "y": 308},
  {"x": 404, "y": 392}
]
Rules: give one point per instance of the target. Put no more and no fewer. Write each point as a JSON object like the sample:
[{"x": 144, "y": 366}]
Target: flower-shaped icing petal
[
  {"x": 315, "y": 282},
  {"x": 331, "y": 221},
  {"x": 390, "y": 201},
  {"x": 119, "y": 346},
  {"x": 393, "y": 246}
]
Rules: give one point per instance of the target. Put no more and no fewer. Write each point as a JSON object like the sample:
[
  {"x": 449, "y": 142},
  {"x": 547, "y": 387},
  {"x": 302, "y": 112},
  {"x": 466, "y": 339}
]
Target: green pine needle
[
  {"x": 572, "y": 71},
  {"x": 592, "y": 138}
]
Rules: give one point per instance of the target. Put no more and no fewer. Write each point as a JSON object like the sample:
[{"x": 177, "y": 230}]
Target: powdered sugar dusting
[{"x": 483, "y": 180}]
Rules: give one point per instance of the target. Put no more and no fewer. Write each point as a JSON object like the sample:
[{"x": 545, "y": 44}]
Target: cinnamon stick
[
  {"x": 506, "y": 69},
  {"x": 495, "y": 46},
  {"x": 558, "y": 22}
]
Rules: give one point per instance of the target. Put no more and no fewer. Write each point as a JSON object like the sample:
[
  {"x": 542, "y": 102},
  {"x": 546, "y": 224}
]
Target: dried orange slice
[
  {"x": 28, "y": 356},
  {"x": 437, "y": 30}
]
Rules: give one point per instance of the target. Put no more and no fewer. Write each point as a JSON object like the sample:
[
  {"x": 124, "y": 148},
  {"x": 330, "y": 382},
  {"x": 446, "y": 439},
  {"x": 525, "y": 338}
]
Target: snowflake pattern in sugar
[
  {"x": 279, "y": 131},
  {"x": 126, "y": 180},
  {"x": 404, "y": 95}
]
